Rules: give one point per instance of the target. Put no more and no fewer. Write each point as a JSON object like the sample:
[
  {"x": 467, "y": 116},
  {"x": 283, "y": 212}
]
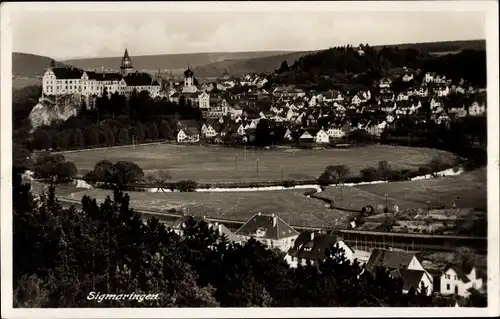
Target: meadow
[
  {"x": 210, "y": 164},
  {"x": 291, "y": 205},
  {"x": 467, "y": 190}
]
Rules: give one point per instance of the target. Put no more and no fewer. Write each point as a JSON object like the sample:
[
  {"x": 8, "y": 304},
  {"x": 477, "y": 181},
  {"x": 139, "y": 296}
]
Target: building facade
[{"x": 64, "y": 81}]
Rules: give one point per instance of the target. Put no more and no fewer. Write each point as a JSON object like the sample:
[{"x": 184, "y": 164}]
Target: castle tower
[{"x": 126, "y": 65}]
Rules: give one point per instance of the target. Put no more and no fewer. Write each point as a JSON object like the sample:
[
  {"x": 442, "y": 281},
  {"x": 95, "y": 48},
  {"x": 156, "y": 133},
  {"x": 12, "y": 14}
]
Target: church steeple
[{"x": 126, "y": 65}]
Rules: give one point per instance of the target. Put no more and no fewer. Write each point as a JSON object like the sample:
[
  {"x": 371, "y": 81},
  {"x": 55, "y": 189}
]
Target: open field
[
  {"x": 206, "y": 164},
  {"x": 468, "y": 190},
  {"x": 291, "y": 205}
]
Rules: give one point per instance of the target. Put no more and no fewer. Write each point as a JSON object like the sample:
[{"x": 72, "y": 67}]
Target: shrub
[
  {"x": 369, "y": 174},
  {"x": 424, "y": 170},
  {"x": 186, "y": 186},
  {"x": 288, "y": 184}
]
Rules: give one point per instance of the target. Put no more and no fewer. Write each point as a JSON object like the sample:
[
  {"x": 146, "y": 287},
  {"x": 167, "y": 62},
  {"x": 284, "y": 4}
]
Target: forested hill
[
  {"x": 30, "y": 65},
  {"x": 442, "y": 46},
  {"x": 348, "y": 65},
  {"x": 239, "y": 67}
]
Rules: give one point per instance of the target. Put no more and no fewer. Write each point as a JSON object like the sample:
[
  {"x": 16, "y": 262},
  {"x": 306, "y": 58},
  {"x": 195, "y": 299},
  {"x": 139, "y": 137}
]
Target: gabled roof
[
  {"x": 411, "y": 278},
  {"x": 460, "y": 270},
  {"x": 314, "y": 249},
  {"x": 223, "y": 230},
  {"x": 392, "y": 259},
  {"x": 266, "y": 224}
]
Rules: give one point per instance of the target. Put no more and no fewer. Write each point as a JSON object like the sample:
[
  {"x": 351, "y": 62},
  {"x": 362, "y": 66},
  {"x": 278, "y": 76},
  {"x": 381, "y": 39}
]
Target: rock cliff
[{"x": 47, "y": 111}]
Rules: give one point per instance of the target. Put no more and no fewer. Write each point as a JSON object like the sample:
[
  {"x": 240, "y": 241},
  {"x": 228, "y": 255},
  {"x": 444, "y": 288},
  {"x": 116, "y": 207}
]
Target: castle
[{"x": 63, "y": 81}]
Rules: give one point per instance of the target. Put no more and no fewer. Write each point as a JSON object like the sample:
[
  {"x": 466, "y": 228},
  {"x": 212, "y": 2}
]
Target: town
[
  {"x": 231, "y": 107},
  {"x": 231, "y": 160},
  {"x": 256, "y": 112}
]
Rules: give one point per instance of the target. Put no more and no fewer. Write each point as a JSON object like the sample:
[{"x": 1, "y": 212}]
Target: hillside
[
  {"x": 30, "y": 65},
  {"x": 441, "y": 46},
  {"x": 347, "y": 67},
  {"x": 245, "y": 66},
  {"x": 176, "y": 63}
]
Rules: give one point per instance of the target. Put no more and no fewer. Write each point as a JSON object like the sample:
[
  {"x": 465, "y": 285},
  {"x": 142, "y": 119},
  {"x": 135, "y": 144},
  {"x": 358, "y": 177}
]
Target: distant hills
[
  {"x": 176, "y": 63},
  {"x": 30, "y": 65},
  {"x": 245, "y": 66},
  {"x": 212, "y": 64}
]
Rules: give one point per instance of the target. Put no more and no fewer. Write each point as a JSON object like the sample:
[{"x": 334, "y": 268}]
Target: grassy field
[
  {"x": 468, "y": 190},
  {"x": 291, "y": 205},
  {"x": 220, "y": 164}
]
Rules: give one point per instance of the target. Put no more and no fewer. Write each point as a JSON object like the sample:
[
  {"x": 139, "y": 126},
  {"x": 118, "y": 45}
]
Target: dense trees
[
  {"x": 120, "y": 175},
  {"x": 347, "y": 66},
  {"x": 54, "y": 167},
  {"x": 114, "y": 120},
  {"x": 60, "y": 255}
]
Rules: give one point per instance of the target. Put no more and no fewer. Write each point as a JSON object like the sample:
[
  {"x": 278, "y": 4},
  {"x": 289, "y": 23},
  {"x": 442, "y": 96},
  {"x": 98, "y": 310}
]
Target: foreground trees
[{"x": 60, "y": 255}]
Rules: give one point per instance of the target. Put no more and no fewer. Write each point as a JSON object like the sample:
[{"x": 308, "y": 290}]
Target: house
[
  {"x": 312, "y": 246},
  {"x": 235, "y": 111},
  {"x": 443, "y": 91},
  {"x": 288, "y": 135},
  {"x": 393, "y": 259},
  {"x": 407, "y": 77},
  {"x": 414, "y": 279},
  {"x": 375, "y": 129},
  {"x": 402, "y": 97},
  {"x": 361, "y": 97},
  {"x": 333, "y": 96},
  {"x": 442, "y": 118},
  {"x": 385, "y": 83},
  {"x": 207, "y": 130},
  {"x": 336, "y": 132},
  {"x": 321, "y": 137},
  {"x": 307, "y": 137},
  {"x": 399, "y": 263},
  {"x": 181, "y": 223},
  {"x": 188, "y": 135},
  {"x": 204, "y": 100},
  {"x": 270, "y": 230},
  {"x": 458, "y": 280},
  {"x": 224, "y": 231},
  {"x": 435, "y": 103},
  {"x": 477, "y": 109}
]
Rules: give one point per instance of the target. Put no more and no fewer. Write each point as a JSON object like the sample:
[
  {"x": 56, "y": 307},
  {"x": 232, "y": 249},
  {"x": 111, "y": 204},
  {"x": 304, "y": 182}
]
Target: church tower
[
  {"x": 126, "y": 65},
  {"x": 189, "y": 86}
]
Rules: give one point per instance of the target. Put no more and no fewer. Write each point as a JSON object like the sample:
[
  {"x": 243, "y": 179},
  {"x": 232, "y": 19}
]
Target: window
[
  {"x": 447, "y": 286},
  {"x": 455, "y": 277}
]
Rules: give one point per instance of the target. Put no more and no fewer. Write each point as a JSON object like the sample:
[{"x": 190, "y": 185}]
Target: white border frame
[{"x": 490, "y": 8}]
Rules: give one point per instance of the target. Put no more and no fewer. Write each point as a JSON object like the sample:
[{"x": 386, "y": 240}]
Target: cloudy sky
[{"x": 72, "y": 34}]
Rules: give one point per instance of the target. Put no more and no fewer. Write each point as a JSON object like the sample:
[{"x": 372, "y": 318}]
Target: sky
[{"x": 80, "y": 34}]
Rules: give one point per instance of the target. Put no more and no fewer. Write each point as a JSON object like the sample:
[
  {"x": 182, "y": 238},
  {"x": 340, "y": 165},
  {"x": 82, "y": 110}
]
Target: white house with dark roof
[
  {"x": 399, "y": 263},
  {"x": 312, "y": 246},
  {"x": 270, "y": 230},
  {"x": 457, "y": 280},
  {"x": 322, "y": 137}
]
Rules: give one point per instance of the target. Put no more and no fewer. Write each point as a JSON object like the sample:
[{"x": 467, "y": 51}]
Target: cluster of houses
[
  {"x": 310, "y": 247},
  {"x": 322, "y": 117}
]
